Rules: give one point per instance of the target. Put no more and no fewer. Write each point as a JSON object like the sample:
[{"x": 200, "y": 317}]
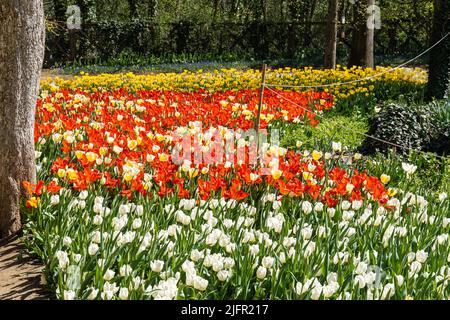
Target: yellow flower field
[{"x": 233, "y": 79}]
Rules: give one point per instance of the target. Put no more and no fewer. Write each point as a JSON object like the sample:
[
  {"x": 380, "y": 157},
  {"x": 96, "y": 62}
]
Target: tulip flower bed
[
  {"x": 114, "y": 217},
  {"x": 382, "y": 81}
]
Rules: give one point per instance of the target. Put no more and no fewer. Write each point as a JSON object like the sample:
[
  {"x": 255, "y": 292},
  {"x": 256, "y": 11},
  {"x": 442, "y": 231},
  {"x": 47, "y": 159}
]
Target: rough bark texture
[
  {"x": 439, "y": 74},
  {"x": 331, "y": 36},
  {"x": 21, "y": 57},
  {"x": 370, "y": 32},
  {"x": 359, "y": 28},
  {"x": 362, "y": 38}
]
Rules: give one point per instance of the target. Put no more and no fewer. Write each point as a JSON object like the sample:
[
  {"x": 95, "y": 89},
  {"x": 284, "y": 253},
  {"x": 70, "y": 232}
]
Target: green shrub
[
  {"x": 423, "y": 128},
  {"x": 440, "y": 143}
]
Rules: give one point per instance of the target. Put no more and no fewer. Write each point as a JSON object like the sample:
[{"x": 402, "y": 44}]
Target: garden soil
[{"x": 20, "y": 275}]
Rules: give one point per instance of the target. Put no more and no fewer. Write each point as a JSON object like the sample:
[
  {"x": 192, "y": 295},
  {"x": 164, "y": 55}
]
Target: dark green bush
[
  {"x": 440, "y": 143},
  {"x": 424, "y": 128}
]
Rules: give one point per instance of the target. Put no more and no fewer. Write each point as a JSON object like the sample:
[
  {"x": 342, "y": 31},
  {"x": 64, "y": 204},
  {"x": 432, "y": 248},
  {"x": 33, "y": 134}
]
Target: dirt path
[
  {"x": 20, "y": 276},
  {"x": 53, "y": 73}
]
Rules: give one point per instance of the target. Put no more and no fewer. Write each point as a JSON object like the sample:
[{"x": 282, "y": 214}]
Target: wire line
[
  {"x": 362, "y": 79},
  {"x": 359, "y": 132}
]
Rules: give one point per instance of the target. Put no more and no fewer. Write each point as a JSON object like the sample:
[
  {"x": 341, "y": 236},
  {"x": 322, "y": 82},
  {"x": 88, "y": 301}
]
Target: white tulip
[
  {"x": 109, "y": 275},
  {"x": 125, "y": 270},
  {"x": 316, "y": 292},
  {"x": 93, "y": 293},
  {"x": 137, "y": 223},
  {"x": 421, "y": 256},
  {"x": 54, "y": 199},
  {"x": 98, "y": 220},
  {"x": 69, "y": 295},
  {"x": 267, "y": 262},
  {"x": 223, "y": 275},
  {"x": 318, "y": 207},
  {"x": 400, "y": 280},
  {"x": 200, "y": 283},
  {"x": 360, "y": 281},
  {"x": 157, "y": 265},
  {"x": 67, "y": 241},
  {"x": 261, "y": 272},
  {"x": 93, "y": 248},
  {"x": 307, "y": 207},
  {"x": 123, "y": 294},
  {"x": 409, "y": 168}
]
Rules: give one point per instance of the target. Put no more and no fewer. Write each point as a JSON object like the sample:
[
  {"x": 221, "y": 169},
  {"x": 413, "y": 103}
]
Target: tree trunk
[
  {"x": 359, "y": 26},
  {"x": 439, "y": 74},
  {"x": 362, "y": 37},
  {"x": 331, "y": 35},
  {"x": 370, "y": 33},
  {"x": 21, "y": 56}
]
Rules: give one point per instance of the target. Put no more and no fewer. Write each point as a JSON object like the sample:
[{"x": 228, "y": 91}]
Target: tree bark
[
  {"x": 369, "y": 58},
  {"x": 21, "y": 57},
  {"x": 439, "y": 73},
  {"x": 362, "y": 46},
  {"x": 331, "y": 35},
  {"x": 359, "y": 26}
]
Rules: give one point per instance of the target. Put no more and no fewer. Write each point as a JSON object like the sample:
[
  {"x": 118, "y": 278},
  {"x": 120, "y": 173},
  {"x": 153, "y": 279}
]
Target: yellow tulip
[
  {"x": 61, "y": 173},
  {"x": 276, "y": 174},
  {"x": 316, "y": 155},
  {"x": 385, "y": 178},
  {"x": 72, "y": 175},
  {"x": 91, "y": 156},
  {"x": 163, "y": 157},
  {"x": 132, "y": 144},
  {"x": 392, "y": 192}
]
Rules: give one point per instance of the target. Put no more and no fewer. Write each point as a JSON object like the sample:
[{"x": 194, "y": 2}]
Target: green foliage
[
  {"x": 432, "y": 174},
  {"x": 414, "y": 127},
  {"x": 272, "y": 29},
  {"x": 439, "y": 74},
  {"x": 440, "y": 143},
  {"x": 130, "y": 62},
  {"x": 342, "y": 129}
]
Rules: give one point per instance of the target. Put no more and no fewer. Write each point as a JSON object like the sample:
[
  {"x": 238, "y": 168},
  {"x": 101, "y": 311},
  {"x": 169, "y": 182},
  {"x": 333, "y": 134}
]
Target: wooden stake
[{"x": 261, "y": 99}]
